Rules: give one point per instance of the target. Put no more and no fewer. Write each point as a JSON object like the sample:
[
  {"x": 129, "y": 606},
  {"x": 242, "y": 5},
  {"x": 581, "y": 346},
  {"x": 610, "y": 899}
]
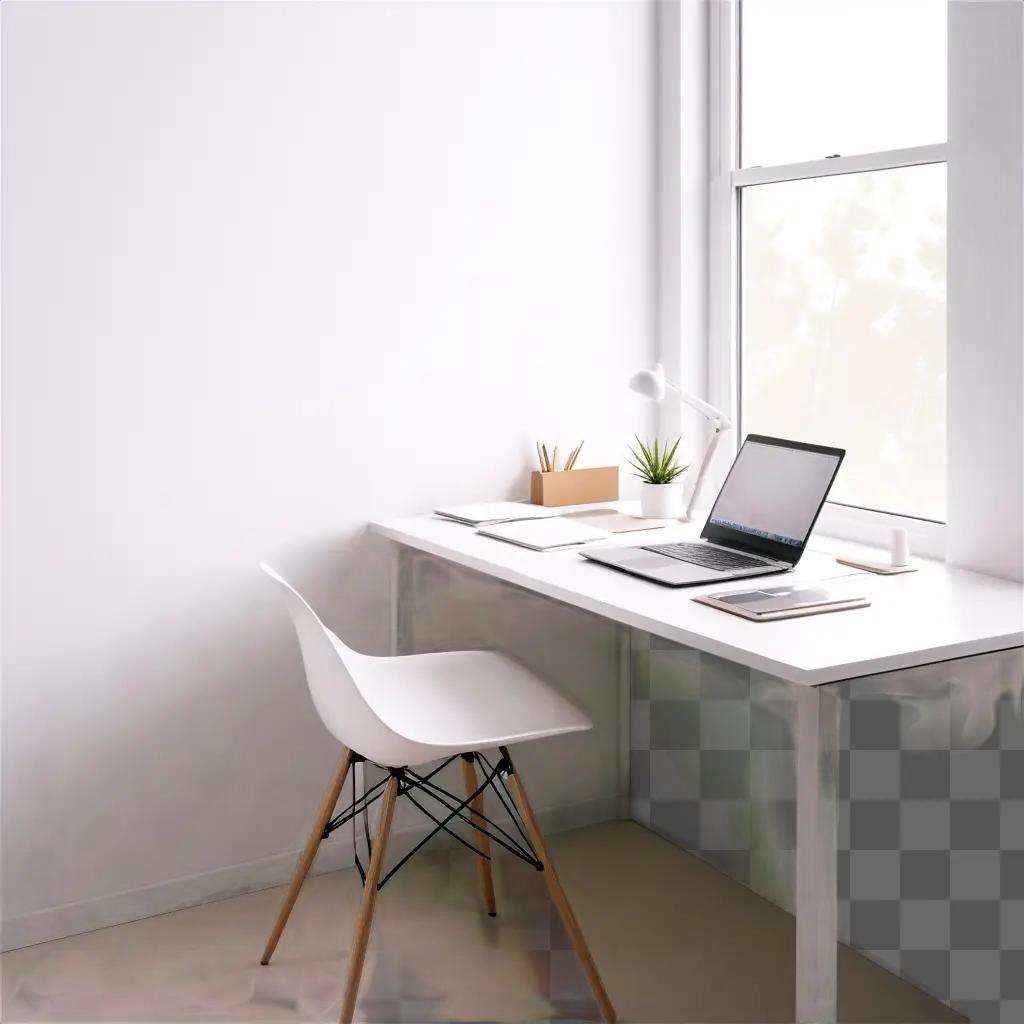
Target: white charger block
[{"x": 900, "y": 548}]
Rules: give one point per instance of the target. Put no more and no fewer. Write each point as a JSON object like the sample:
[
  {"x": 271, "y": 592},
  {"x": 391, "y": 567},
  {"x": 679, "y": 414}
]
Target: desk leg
[
  {"x": 394, "y": 598},
  {"x": 625, "y": 713},
  {"x": 816, "y": 854}
]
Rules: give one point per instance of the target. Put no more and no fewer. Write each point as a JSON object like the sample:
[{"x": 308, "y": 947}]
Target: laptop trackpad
[
  {"x": 662, "y": 568},
  {"x": 644, "y": 560}
]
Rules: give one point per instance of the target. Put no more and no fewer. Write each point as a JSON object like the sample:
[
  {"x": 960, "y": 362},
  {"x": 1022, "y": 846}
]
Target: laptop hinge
[{"x": 740, "y": 549}]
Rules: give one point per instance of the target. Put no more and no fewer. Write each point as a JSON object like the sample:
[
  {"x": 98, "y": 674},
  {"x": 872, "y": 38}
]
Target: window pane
[
  {"x": 821, "y": 77},
  {"x": 844, "y": 328}
]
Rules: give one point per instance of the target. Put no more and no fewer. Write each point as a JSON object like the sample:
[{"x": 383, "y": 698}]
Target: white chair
[{"x": 403, "y": 712}]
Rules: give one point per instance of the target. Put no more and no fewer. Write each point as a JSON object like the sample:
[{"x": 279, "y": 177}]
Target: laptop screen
[{"x": 773, "y": 493}]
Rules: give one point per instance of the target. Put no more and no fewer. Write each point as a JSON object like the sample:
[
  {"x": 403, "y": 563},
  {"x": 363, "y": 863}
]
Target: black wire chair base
[{"x": 451, "y": 807}]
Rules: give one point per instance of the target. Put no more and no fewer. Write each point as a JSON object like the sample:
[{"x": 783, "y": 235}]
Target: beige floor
[{"x": 675, "y": 940}]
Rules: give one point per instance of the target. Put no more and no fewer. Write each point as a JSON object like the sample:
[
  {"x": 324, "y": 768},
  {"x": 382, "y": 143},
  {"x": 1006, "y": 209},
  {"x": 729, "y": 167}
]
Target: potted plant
[{"x": 661, "y": 493}]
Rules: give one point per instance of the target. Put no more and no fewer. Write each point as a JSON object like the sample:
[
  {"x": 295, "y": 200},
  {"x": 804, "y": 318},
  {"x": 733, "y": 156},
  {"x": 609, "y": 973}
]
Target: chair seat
[{"x": 462, "y": 701}]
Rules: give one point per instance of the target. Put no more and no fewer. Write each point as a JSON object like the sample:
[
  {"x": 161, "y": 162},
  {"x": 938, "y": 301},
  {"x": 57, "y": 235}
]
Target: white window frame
[{"x": 726, "y": 180}]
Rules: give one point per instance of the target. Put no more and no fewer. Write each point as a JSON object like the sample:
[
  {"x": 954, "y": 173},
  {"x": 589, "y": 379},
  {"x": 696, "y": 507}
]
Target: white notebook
[
  {"x": 544, "y": 534},
  {"x": 495, "y": 512}
]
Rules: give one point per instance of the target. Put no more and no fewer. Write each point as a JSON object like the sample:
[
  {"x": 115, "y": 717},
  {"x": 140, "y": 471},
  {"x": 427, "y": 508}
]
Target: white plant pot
[{"x": 661, "y": 501}]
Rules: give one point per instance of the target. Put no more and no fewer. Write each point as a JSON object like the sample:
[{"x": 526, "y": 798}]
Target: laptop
[{"x": 759, "y": 523}]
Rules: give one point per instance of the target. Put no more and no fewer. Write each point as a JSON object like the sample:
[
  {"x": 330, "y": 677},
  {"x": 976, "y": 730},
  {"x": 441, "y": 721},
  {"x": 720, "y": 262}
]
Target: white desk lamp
[{"x": 652, "y": 384}]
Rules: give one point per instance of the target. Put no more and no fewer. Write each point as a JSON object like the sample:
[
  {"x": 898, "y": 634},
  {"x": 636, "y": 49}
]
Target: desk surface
[{"x": 932, "y": 615}]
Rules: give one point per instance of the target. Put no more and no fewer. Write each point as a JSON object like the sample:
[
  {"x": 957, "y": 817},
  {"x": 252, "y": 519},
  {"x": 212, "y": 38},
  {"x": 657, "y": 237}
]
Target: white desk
[
  {"x": 932, "y": 615},
  {"x": 936, "y": 614}
]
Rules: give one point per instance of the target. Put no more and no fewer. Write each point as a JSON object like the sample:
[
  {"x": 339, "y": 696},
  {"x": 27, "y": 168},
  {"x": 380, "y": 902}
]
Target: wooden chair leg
[
  {"x": 323, "y": 816},
  {"x": 480, "y": 841},
  {"x": 365, "y": 918},
  {"x": 559, "y": 898}
]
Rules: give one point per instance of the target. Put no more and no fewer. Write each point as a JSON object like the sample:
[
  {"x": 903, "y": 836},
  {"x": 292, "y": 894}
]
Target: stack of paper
[{"x": 495, "y": 512}]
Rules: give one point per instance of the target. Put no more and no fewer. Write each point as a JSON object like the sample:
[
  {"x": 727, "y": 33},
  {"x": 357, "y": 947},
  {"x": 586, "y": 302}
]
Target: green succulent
[{"x": 656, "y": 463}]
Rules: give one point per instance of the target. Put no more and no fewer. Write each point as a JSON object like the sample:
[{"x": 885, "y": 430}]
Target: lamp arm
[
  {"x": 717, "y": 417},
  {"x": 720, "y": 426}
]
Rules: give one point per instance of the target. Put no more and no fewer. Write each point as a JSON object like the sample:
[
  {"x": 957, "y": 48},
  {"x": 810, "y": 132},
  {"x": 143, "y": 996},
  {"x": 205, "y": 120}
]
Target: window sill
[{"x": 872, "y": 528}]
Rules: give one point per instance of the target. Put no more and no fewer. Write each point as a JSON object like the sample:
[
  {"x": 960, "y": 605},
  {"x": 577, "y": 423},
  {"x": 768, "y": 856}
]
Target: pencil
[
  {"x": 575, "y": 455},
  {"x": 554, "y": 460},
  {"x": 547, "y": 461},
  {"x": 540, "y": 457}
]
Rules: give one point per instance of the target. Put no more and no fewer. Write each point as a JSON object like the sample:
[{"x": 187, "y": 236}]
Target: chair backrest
[{"x": 331, "y": 670}]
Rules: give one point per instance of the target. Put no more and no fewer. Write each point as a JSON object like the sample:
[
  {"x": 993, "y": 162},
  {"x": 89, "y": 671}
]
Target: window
[
  {"x": 840, "y": 76},
  {"x": 840, "y": 198}
]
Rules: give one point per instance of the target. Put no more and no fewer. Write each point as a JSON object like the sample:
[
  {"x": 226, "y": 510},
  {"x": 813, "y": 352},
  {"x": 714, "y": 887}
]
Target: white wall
[
  {"x": 270, "y": 270},
  {"x": 986, "y": 287}
]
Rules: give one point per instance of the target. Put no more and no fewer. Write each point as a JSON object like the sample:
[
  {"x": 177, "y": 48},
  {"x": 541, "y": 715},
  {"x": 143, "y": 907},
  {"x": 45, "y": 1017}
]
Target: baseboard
[{"x": 165, "y": 897}]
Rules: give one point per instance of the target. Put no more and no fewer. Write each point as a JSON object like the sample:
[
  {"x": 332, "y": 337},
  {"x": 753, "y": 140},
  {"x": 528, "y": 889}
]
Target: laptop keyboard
[{"x": 707, "y": 556}]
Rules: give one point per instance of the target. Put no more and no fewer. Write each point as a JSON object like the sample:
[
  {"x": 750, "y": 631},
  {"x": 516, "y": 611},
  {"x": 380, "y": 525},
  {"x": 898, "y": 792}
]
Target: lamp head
[{"x": 649, "y": 383}]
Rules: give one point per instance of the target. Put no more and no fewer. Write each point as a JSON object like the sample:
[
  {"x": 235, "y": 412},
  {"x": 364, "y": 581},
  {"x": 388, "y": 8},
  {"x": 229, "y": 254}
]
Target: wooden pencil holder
[{"x": 577, "y": 487}]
